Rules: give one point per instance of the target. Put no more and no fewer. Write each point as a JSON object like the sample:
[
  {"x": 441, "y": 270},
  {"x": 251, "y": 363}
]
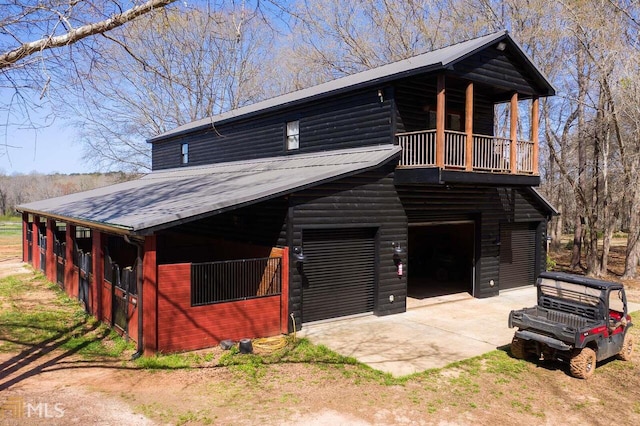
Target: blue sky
[{"x": 47, "y": 150}]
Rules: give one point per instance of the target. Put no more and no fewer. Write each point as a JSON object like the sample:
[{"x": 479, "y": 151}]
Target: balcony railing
[{"x": 488, "y": 153}]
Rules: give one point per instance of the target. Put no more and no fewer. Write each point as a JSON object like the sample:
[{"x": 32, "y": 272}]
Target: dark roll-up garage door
[
  {"x": 517, "y": 255},
  {"x": 339, "y": 273}
]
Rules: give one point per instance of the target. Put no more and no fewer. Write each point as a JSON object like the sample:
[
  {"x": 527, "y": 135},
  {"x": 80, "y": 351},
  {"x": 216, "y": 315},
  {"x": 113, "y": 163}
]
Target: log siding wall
[
  {"x": 365, "y": 200},
  {"x": 348, "y": 121},
  {"x": 488, "y": 207}
]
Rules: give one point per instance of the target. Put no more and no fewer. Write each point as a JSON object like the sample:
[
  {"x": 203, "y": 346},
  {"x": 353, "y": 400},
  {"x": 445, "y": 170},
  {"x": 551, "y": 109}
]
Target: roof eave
[{"x": 101, "y": 226}]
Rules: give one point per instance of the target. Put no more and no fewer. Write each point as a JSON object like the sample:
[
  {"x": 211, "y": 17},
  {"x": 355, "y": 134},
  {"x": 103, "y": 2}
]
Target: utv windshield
[{"x": 570, "y": 291}]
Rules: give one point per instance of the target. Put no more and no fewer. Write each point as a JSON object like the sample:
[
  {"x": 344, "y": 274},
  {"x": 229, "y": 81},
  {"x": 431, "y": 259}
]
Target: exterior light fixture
[
  {"x": 397, "y": 251},
  {"x": 501, "y": 46},
  {"x": 298, "y": 255},
  {"x": 381, "y": 95}
]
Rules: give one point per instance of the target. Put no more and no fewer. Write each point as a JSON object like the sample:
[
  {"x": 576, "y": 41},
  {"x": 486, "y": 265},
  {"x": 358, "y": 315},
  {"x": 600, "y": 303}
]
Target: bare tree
[
  {"x": 36, "y": 40},
  {"x": 62, "y": 23},
  {"x": 160, "y": 72},
  {"x": 578, "y": 45}
]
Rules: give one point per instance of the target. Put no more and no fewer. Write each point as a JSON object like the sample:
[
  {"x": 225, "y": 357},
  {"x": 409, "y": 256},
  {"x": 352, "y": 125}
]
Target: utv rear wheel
[
  {"x": 627, "y": 348},
  {"x": 583, "y": 364},
  {"x": 517, "y": 348}
]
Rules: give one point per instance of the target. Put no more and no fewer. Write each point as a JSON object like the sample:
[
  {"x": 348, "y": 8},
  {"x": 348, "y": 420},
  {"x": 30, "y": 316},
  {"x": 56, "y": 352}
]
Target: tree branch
[{"x": 9, "y": 58}]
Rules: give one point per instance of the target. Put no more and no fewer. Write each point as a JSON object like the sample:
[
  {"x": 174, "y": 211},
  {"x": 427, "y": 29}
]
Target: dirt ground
[{"x": 61, "y": 388}]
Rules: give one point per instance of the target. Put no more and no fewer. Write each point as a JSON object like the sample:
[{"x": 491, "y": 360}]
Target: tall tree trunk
[
  {"x": 606, "y": 248},
  {"x": 633, "y": 248},
  {"x": 576, "y": 251},
  {"x": 578, "y": 234}
]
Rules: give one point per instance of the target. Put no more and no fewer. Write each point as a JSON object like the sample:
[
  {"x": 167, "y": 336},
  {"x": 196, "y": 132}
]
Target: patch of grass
[
  {"x": 289, "y": 398},
  {"x": 164, "y": 362},
  {"x": 525, "y": 408},
  {"x": 10, "y": 225},
  {"x": 197, "y": 417},
  {"x": 58, "y": 322},
  {"x": 155, "y": 410},
  {"x": 11, "y": 286},
  {"x": 304, "y": 351},
  {"x": 498, "y": 362}
]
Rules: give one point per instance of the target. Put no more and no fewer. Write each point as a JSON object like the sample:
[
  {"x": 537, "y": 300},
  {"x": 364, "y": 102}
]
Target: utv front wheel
[
  {"x": 583, "y": 364},
  {"x": 627, "y": 348},
  {"x": 517, "y": 348}
]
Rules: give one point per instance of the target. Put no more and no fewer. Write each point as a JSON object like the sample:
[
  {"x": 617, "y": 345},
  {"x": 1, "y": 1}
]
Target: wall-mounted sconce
[
  {"x": 397, "y": 260},
  {"x": 397, "y": 250},
  {"x": 501, "y": 46},
  {"x": 495, "y": 239},
  {"x": 381, "y": 95},
  {"x": 298, "y": 255}
]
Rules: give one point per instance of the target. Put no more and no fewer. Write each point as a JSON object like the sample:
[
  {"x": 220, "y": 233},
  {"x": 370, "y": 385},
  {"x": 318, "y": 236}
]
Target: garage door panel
[
  {"x": 517, "y": 255},
  {"x": 339, "y": 274}
]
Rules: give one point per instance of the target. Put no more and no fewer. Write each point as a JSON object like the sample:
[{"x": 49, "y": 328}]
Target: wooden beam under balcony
[{"x": 437, "y": 176}]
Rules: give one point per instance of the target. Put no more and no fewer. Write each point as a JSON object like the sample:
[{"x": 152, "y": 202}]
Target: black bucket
[{"x": 245, "y": 346}]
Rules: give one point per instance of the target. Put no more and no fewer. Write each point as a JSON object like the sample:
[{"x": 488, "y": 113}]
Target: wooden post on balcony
[
  {"x": 468, "y": 127},
  {"x": 535, "y": 118},
  {"x": 514, "y": 134},
  {"x": 440, "y": 114}
]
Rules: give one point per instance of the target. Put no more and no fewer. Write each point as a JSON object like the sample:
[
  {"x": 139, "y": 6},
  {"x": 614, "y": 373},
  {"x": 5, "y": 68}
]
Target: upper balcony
[
  {"x": 482, "y": 154},
  {"x": 442, "y": 155}
]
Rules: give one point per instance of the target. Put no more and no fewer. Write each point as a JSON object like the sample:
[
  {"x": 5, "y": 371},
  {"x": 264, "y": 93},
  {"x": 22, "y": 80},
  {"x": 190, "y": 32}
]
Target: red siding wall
[
  {"x": 150, "y": 296},
  {"x": 69, "y": 270},
  {"x": 36, "y": 243},
  {"x": 183, "y": 327},
  {"x": 50, "y": 273},
  {"x": 95, "y": 285},
  {"x": 133, "y": 319},
  {"x": 106, "y": 301},
  {"x": 25, "y": 245}
]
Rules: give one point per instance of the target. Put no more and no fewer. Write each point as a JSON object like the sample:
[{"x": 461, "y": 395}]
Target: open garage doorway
[{"x": 441, "y": 260}]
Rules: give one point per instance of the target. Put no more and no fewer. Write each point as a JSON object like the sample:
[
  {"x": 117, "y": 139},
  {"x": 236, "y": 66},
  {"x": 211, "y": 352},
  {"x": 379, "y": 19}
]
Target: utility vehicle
[{"x": 578, "y": 320}]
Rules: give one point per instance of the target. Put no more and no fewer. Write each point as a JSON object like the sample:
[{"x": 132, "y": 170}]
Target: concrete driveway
[{"x": 429, "y": 336}]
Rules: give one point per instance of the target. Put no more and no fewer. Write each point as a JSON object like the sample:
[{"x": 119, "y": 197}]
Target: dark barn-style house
[{"x": 345, "y": 198}]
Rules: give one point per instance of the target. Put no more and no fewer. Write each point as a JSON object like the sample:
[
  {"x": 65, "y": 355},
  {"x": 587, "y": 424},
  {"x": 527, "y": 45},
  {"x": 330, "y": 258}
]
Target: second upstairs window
[
  {"x": 293, "y": 135},
  {"x": 185, "y": 153}
]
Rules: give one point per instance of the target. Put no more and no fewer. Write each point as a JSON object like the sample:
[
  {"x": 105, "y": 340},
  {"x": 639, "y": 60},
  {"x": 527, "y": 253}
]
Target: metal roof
[
  {"x": 167, "y": 197},
  {"x": 581, "y": 279},
  {"x": 430, "y": 61},
  {"x": 543, "y": 200}
]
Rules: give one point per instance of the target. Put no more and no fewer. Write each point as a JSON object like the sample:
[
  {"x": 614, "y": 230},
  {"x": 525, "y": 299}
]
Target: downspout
[{"x": 139, "y": 280}]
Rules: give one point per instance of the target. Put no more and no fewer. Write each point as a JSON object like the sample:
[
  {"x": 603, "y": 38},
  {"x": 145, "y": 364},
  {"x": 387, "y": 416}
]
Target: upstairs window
[
  {"x": 185, "y": 153},
  {"x": 293, "y": 135}
]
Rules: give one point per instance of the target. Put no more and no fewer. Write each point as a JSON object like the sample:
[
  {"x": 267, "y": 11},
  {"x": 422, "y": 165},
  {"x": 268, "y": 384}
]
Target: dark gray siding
[
  {"x": 497, "y": 69},
  {"x": 262, "y": 224},
  {"x": 365, "y": 200},
  {"x": 413, "y": 98},
  {"x": 488, "y": 207},
  {"x": 348, "y": 121}
]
